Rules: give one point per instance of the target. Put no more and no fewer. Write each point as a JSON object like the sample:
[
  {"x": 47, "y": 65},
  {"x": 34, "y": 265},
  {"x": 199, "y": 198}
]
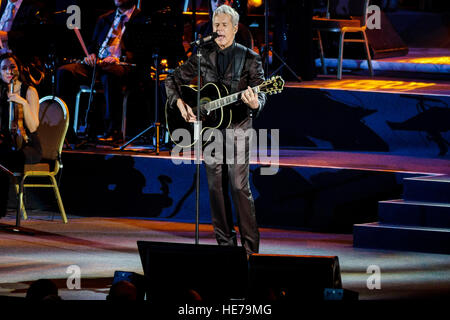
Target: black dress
[{"x": 10, "y": 158}]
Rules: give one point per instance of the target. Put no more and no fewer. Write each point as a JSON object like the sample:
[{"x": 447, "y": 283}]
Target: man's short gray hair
[{"x": 225, "y": 9}]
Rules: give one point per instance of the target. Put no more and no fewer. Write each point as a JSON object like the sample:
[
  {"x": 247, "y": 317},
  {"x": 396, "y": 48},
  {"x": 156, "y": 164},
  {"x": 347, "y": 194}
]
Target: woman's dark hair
[{"x": 22, "y": 74}]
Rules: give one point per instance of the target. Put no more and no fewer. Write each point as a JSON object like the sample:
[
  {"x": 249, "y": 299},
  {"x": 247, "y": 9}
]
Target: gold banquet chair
[
  {"x": 351, "y": 18},
  {"x": 53, "y": 124}
]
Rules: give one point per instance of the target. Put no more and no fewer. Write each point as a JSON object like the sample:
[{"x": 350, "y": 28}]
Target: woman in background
[{"x": 21, "y": 144}]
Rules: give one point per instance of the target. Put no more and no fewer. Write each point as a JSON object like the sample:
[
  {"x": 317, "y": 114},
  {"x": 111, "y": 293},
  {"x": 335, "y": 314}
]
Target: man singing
[{"x": 218, "y": 65}]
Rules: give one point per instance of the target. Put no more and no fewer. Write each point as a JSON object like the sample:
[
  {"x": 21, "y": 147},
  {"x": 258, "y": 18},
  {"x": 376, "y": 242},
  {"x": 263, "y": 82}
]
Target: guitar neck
[{"x": 225, "y": 101}]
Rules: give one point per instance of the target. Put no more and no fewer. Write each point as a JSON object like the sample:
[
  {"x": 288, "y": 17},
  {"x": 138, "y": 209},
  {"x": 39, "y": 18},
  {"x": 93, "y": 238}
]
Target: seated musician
[
  {"x": 19, "y": 31},
  {"x": 17, "y": 21},
  {"x": 21, "y": 144},
  {"x": 107, "y": 48}
]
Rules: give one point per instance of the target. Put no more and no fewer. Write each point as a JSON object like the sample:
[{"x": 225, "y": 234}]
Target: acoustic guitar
[{"x": 214, "y": 113}]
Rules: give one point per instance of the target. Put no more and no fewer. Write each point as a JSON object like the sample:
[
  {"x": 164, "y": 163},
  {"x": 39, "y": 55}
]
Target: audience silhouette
[
  {"x": 43, "y": 290},
  {"x": 122, "y": 291}
]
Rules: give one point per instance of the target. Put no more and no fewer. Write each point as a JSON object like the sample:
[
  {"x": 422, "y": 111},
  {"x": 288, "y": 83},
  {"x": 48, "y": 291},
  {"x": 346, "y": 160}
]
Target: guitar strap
[{"x": 238, "y": 65}]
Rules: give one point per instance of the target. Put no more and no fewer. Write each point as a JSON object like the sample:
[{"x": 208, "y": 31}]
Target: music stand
[
  {"x": 268, "y": 48},
  {"x": 156, "y": 125},
  {"x": 162, "y": 35},
  {"x": 16, "y": 228}
]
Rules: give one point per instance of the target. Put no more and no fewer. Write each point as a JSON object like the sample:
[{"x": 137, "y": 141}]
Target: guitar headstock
[{"x": 273, "y": 85}]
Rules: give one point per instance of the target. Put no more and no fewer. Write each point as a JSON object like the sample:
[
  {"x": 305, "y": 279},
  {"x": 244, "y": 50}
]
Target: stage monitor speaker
[
  {"x": 385, "y": 42},
  {"x": 182, "y": 272},
  {"x": 292, "y": 278}
]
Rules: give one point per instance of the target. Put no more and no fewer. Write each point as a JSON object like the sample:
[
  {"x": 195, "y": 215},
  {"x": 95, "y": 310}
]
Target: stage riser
[
  {"x": 427, "y": 190},
  {"x": 317, "y": 199},
  {"x": 415, "y": 68},
  {"x": 414, "y": 214},
  {"x": 358, "y": 121},
  {"x": 394, "y": 237},
  {"x": 421, "y": 227}
]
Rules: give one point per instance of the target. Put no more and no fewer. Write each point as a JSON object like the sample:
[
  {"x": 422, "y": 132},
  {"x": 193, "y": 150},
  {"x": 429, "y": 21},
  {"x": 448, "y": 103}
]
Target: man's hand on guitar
[
  {"x": 250, "y": 98},
  {"x": 186, "y": 111}
]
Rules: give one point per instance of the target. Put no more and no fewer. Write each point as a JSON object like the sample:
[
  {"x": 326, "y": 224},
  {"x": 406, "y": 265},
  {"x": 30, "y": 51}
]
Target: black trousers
[
  {"x": 224, "y": 178},
  {"x": 71, "y": 76}
]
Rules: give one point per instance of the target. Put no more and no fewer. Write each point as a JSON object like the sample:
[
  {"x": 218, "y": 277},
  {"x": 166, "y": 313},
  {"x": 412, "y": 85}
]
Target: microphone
[{"x": 204, "y": 40}]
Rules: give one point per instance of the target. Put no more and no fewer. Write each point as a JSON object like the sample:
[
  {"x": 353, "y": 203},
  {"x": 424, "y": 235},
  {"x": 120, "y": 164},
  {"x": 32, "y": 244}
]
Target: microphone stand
[
  {"x": 160, "y": 130},
  {"x": 198, "y": 135},
  {"x": 268, "y": 48},
  {"x": 266, "y": 38},
  {"x": 86, "y": 128},
  {"x": 198, "y": 147},
  {"x": 198, "y": 131},
  {"x": 91, "y": 96}
]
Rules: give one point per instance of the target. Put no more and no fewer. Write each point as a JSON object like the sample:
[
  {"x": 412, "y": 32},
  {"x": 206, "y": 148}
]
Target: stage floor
[
  {"x": 366, "y": 161},
  {"x": 100, "y": 246}
]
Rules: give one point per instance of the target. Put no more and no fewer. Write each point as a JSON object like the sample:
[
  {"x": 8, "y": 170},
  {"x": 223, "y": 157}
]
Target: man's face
[
  {"x": 123, "y": 4},
  {"x": 225, "y": 30}
]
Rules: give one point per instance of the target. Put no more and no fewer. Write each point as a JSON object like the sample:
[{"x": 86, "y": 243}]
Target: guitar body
[
  {"x": 216, "y": 119},
  {"x": 213, "y": 112}
]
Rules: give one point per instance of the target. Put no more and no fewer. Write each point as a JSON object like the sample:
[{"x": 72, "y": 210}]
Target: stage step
[
  {"x": 427, "y": 189},
  {"x": 414, "y": 213},
  {"x": 418, "y": 222},
  {"x": 400, "y": 237}
]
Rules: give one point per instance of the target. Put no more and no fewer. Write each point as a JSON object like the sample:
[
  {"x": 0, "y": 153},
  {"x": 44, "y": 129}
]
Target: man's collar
[{"x": 227, "y": 49}]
